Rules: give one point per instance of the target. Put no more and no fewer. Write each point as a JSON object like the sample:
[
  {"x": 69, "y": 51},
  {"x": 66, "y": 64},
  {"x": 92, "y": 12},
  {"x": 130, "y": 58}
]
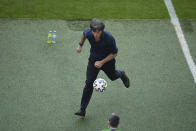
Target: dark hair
[
  {"x": 114, "y": 120},
  {"x": 97, "y": 24}
]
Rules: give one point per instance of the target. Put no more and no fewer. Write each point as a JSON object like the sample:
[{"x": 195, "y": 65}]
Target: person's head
[
  {"x": 113, "y": 121},
  {"x": 97, "y": 26}
]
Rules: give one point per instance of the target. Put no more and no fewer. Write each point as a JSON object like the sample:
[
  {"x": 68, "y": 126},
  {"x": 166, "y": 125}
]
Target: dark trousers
[{"x": 91, "y": 75}]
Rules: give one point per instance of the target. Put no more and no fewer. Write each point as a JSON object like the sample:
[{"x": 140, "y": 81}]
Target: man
[
  {"x": 102, "y": 53},
  {"x": 113, "y": 123}
]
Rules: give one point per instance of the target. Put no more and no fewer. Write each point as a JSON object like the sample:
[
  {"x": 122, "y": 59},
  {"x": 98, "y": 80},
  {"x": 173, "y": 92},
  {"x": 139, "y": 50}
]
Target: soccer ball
[{"x": 100, "y": 84}]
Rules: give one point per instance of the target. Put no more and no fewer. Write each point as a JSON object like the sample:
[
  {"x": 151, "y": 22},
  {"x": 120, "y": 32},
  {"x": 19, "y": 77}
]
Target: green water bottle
[{"x": 49, "y": 41}]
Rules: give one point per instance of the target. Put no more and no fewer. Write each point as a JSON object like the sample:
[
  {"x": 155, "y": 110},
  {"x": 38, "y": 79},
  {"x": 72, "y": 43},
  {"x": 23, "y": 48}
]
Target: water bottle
[
  {"x": 54, "y": 37},
  {"x": 49, "y": 41}
]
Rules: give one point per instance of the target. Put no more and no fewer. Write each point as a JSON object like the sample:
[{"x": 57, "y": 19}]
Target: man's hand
[
  {"x": 79, "y": 49},
  {"x": 99, "y": 64}
]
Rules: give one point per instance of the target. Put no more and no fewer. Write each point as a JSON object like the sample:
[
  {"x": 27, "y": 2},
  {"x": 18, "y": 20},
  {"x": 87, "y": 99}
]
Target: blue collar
[
  {"x": 102, "y": 34},
  {"x": 113, "y": 128}
]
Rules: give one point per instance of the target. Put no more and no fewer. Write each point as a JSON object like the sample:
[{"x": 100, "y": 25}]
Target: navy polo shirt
[{"x": 101, "y": 49}]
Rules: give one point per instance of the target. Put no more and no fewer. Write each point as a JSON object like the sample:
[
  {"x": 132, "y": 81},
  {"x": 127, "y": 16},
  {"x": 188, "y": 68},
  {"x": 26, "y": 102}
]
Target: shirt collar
[
  {"x": 102, "y": 34},
  {"x": 113, "y": 128}
]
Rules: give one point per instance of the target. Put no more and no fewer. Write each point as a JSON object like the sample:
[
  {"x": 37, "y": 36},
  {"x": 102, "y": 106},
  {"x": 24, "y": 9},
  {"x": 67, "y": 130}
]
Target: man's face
[{"x": 97, "y": 35}]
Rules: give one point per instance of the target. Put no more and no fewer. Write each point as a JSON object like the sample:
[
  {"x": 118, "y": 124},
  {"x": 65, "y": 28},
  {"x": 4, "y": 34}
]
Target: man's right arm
[
  {"x": 82, "y": 39},
  {"x": 79, "y": 48}
]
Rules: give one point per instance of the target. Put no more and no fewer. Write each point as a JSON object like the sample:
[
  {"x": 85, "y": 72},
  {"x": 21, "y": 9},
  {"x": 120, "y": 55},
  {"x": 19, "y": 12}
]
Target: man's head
[
  {"x": 113, "y": 121},
  {"x": 97, "y": 26}
]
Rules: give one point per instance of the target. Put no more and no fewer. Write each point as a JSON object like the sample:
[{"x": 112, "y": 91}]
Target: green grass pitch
[{"x": 41, "y": 85}]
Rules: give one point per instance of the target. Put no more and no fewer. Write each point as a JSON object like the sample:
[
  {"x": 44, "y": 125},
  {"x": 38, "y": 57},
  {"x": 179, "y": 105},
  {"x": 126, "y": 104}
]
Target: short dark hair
[
  {"x": 97, "y": 24},
  {"x": 114, "y": 120}
]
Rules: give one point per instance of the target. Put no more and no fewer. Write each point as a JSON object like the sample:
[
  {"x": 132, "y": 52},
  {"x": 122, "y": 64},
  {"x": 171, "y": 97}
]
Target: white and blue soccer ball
[{"x": 100, "y": 85}]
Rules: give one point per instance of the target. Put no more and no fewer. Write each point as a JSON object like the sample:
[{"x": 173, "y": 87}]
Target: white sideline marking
[{"x": 182, "y": 40}]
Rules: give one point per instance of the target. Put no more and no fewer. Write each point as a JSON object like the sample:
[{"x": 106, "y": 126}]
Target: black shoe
[
  {"x": 81, "y": 113},
  {"x": 125, "y": 80}
]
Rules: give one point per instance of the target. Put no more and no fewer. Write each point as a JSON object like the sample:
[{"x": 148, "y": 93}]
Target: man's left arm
[{"x": 99, "y": 64}]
